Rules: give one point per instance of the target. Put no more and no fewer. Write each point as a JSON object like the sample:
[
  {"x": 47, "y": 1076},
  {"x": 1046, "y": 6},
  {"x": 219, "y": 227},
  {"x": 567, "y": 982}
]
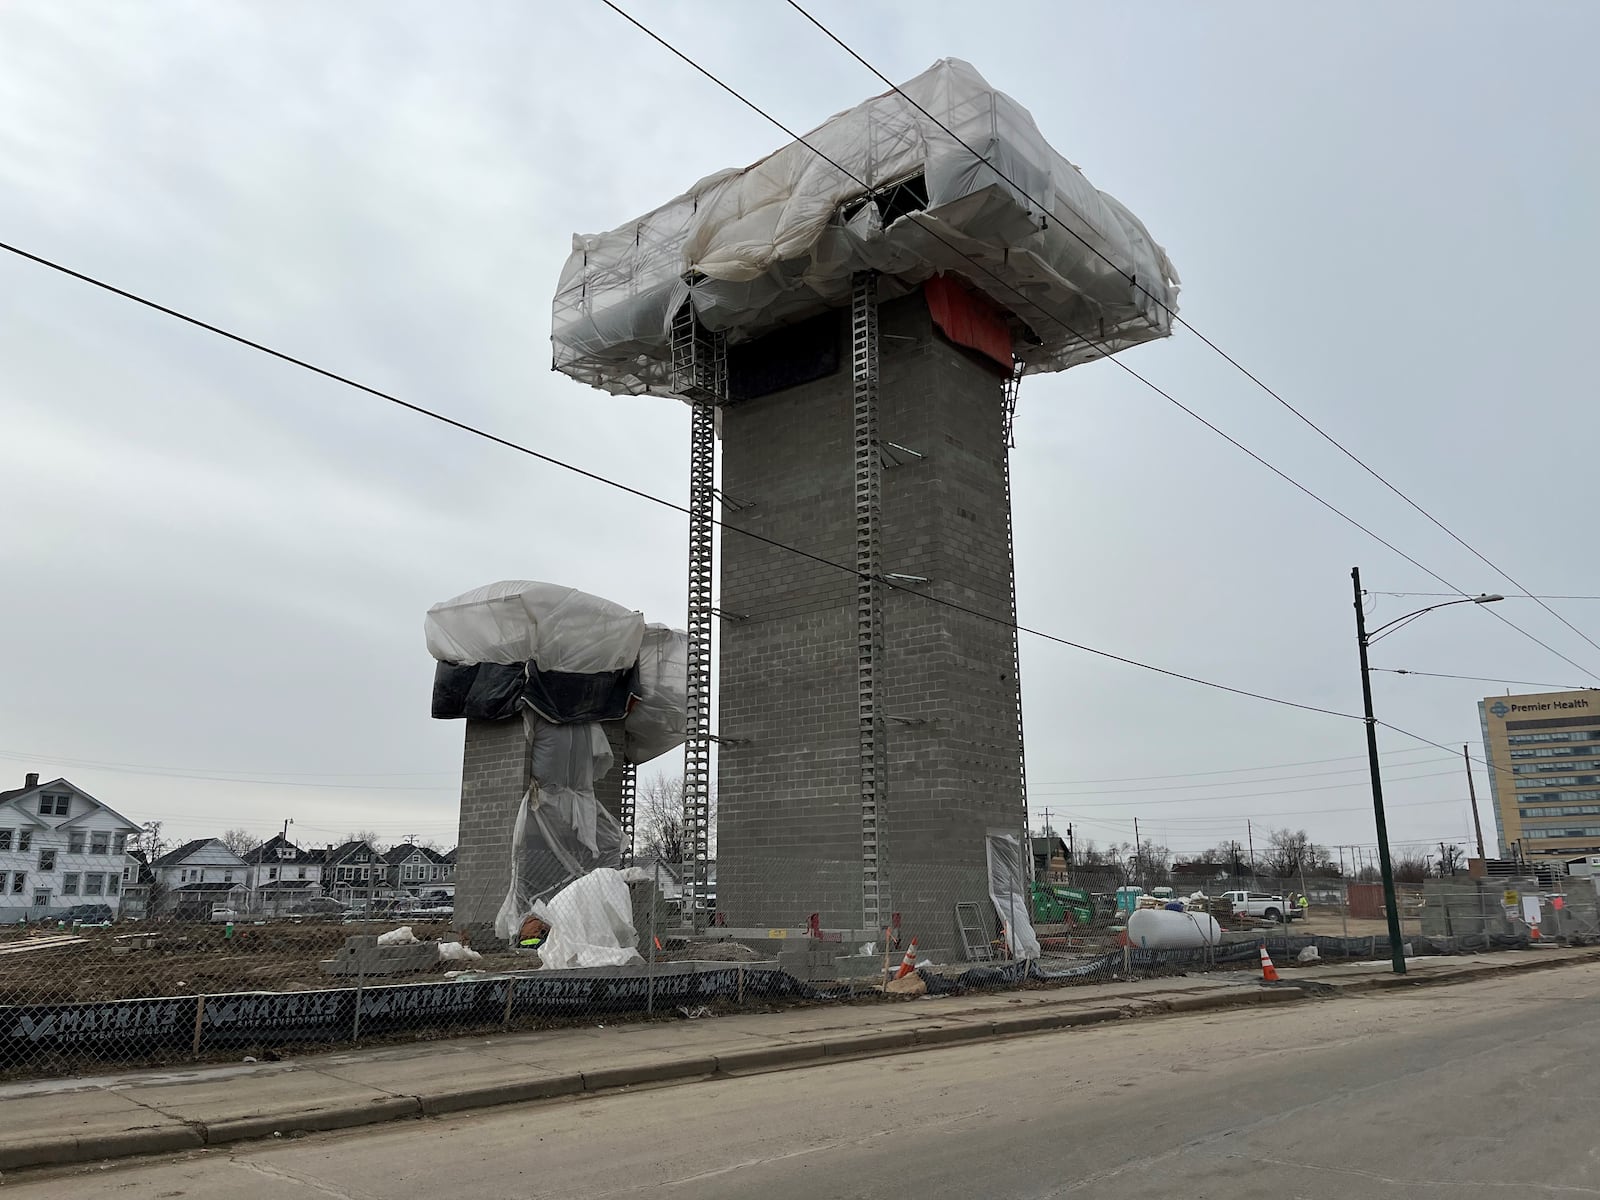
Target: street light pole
[
  {"x": 1397, "y": 952},
  {"x": 1385, "y": 866}
]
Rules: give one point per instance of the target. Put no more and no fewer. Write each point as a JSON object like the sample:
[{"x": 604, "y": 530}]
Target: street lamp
[{"x": 1363, "y": 640}]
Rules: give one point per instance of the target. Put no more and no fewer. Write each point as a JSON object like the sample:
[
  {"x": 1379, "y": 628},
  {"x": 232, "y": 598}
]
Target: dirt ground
[{"x": 192, "y": 959}]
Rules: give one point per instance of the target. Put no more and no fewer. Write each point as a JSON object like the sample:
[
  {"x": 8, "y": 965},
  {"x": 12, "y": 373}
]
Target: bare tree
[
  {"x": 1451, "y": 859},
  {"x": 658, "y": 818},
  {"x": 149, "y": 841},
  {"x": 240, "y": 841},
  {"x": 659, "y": 830},
  {"x": 370, "y": 837},
  {"x": 1411, "y": 867}
]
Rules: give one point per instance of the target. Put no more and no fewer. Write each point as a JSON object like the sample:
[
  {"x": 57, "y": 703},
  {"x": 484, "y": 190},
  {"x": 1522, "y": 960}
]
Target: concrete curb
[{"x": 59, "y": 1151}]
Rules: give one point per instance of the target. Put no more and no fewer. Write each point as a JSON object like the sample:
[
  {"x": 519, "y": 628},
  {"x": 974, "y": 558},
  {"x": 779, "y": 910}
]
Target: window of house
[
  {"x": 127, "y": 874},
  {"x": 53, "y": 805},
  {"x": 19, "y": 881},
  {"x": 227, "y": 876},
  {"x": 47, "y": 805},
  {"x": 5, "y": 839},
  {"x": 41, "y": 899},
  {"x": 272, "y": 872},
  {"x": 302, "y": 872},
  {"x": 113, "y": 885},
  {"x": 24, "y": 839},
  {"x": 47, "y": 860},
  {"x": 92, "y": 884},
  {"x": 74, "y": 841},
  {"x": 69, "y": 884},
  {"x": 119, "y": 843},
  {"x": 100, "y": 843}
]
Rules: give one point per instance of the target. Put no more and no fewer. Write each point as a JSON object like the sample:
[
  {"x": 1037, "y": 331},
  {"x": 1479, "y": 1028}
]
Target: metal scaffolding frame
[
  {"x": 700, "y": 376},
  {"x": 1009, "y": 415},
  {"x": 864, "y": 360},
  {"x": 627, "y": 807}
]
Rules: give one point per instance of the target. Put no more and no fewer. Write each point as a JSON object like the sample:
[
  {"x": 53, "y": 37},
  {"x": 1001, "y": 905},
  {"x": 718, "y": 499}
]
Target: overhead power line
[
  {"x": 1509, "y": 595},
  {"x": 1310, "y": 762},
  {"x": 1233, "y": 783},
  {"x": 606, "y": 481},
  {"x": 1107, "y": 800},
  {"x": 1560, "y": 687},
  {"x": 1100, "y": 347},
  {"x": 1173, "y": 315}
]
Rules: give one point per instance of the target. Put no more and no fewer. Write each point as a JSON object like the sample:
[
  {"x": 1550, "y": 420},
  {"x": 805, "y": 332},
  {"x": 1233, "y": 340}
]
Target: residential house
[
  {"x": 282, "y": 876},
  {"x": 59, "y": 848},
  {"x": 197, "y": 877},
  {"x": 447, "y": 875},
  {"x": 137, "y": 880},
  {"x": 353, "y": 871},
  {"x": 413, "y": 871}
]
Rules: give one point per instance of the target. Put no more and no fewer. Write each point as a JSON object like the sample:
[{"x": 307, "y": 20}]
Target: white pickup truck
[{"x": 1262, "y": 904}]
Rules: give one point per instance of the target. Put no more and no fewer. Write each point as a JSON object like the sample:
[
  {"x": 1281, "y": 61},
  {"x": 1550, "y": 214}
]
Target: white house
[
  {"x": 198, "y": 876},
  {"x": 416, "y": 870},
  {"x": 59, "y": 848},
  {"x": 282, "y": 877}
]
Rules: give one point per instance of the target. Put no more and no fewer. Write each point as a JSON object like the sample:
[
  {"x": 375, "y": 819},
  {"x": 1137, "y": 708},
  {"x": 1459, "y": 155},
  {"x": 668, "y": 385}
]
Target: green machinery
[{"x": 1056, "y": 904}]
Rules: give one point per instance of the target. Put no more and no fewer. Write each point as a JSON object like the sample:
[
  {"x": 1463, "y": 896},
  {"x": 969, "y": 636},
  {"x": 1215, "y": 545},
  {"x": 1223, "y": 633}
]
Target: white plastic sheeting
[
  {"x": 658, "y": 722},
  {"x": 591, "y": 922},
  {"x": 779, "y": 240},
  {"x": 1008, "y": 889},
  {"x": 561, "y": 831},
  {"x": 559, "y": 628}
]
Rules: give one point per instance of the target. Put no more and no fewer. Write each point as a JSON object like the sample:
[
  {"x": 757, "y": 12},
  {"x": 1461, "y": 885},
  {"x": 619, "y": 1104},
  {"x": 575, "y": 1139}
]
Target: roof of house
[
  {"x": 450, "y": 855},
  {"x": 267, "y": 852},
  {"x": 403, "y": 851},
  {"x": 207, "y": 887},
  {"x": 182, "y": 852},
  {"x": 62, "y": 781},
  {"x": 344, "y": 850}
]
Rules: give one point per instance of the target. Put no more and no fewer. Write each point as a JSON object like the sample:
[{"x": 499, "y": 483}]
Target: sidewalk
[{"x": 149, "y": 1112}]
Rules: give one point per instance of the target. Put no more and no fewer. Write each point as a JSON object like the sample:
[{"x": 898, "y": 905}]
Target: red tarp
[{"x": 969, "y": 319}]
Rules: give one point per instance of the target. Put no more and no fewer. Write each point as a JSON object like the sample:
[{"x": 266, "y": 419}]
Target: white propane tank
[{"x": 1163, "y": 929}]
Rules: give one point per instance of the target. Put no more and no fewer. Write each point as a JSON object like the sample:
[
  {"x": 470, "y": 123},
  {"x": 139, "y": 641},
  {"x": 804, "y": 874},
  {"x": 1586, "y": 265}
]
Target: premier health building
[{"x": 1544, "y": 771}]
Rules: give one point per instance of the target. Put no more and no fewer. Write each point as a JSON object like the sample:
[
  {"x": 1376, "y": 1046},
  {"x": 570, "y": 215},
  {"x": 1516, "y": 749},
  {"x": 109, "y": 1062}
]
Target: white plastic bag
[
  {"x": 456, "y": 952},
  {"x": 591, "y": 921},
  {"x": 398, "y": 937}
]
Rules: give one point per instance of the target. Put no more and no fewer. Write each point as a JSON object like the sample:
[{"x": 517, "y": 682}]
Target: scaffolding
[
  {"x": 869, "y": 597},
  {"x": 700, "y": 376},
  {"x": 627, "y": 806},
  {"x": 1009, "y": 415}
]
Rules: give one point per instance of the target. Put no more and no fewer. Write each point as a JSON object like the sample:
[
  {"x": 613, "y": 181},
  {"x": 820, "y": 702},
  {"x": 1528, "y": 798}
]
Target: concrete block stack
[{"x": 361, "y": 955}]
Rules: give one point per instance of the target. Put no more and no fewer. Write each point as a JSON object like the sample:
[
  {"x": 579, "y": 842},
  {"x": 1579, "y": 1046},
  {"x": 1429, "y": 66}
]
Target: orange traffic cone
[
  {"x": 1269, "y": 973},
  {"x": 908, "y": 964}
]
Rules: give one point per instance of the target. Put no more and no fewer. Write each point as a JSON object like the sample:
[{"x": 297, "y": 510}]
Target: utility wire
[
  {"x": 1269, "y": 794},
  {"x": 1105, "y": 353},
  {"x": 595, "y": 477},
  {"x": 1310, "y": 762},
  {"x": 1173, "y": 315},
  {"x": 1233, "y": 783},
  {"x": 1509, "y": 595},
  {"x": 1563, "y": 687}
]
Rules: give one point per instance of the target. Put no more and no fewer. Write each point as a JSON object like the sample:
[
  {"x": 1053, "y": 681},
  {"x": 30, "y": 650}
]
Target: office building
[{"x": 1543, "y": 753}]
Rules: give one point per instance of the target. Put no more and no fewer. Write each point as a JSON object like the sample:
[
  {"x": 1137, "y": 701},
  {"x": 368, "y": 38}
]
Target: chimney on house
[{"x": 31, "y": 779}]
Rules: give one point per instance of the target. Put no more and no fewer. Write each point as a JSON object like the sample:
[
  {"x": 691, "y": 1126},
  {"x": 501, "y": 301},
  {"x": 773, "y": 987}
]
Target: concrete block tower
[
  {"x": 818, "y": 800},
  {"x": 851, "y": 315}
]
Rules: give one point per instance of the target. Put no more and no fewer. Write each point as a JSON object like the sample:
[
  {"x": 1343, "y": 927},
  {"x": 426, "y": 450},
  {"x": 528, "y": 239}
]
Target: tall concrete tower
[{"x": 851, "y": 315}]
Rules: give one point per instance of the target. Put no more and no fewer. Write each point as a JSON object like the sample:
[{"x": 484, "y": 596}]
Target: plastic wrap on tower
[{"x": 778, "y": 241}]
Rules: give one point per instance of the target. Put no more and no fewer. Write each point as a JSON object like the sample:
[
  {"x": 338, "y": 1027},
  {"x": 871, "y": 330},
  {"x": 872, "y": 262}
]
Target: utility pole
[
  {"x": 1138, "y": 855},
  {"x": 1472, "y": 790},
  {"x": 1397, "y": 952},
  {"x": 1250, "y": 833},
  {"x": 1344, "y": 903}
]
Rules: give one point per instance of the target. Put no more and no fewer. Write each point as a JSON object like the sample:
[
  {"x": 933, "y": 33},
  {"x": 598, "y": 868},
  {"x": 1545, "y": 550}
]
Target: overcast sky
[{"x": 214, "y": 566}]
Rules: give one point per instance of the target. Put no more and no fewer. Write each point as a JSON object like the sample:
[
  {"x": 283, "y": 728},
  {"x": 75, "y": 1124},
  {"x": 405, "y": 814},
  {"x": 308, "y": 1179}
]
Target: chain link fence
[{"x": 385, "y": 965}]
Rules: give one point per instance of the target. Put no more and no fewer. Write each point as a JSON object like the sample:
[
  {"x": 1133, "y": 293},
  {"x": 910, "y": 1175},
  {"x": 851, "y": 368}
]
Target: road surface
[{"x": 1470, "y": 1091}]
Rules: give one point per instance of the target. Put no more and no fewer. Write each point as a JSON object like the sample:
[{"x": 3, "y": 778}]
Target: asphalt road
[{"x": 1479, "y": 1090}]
